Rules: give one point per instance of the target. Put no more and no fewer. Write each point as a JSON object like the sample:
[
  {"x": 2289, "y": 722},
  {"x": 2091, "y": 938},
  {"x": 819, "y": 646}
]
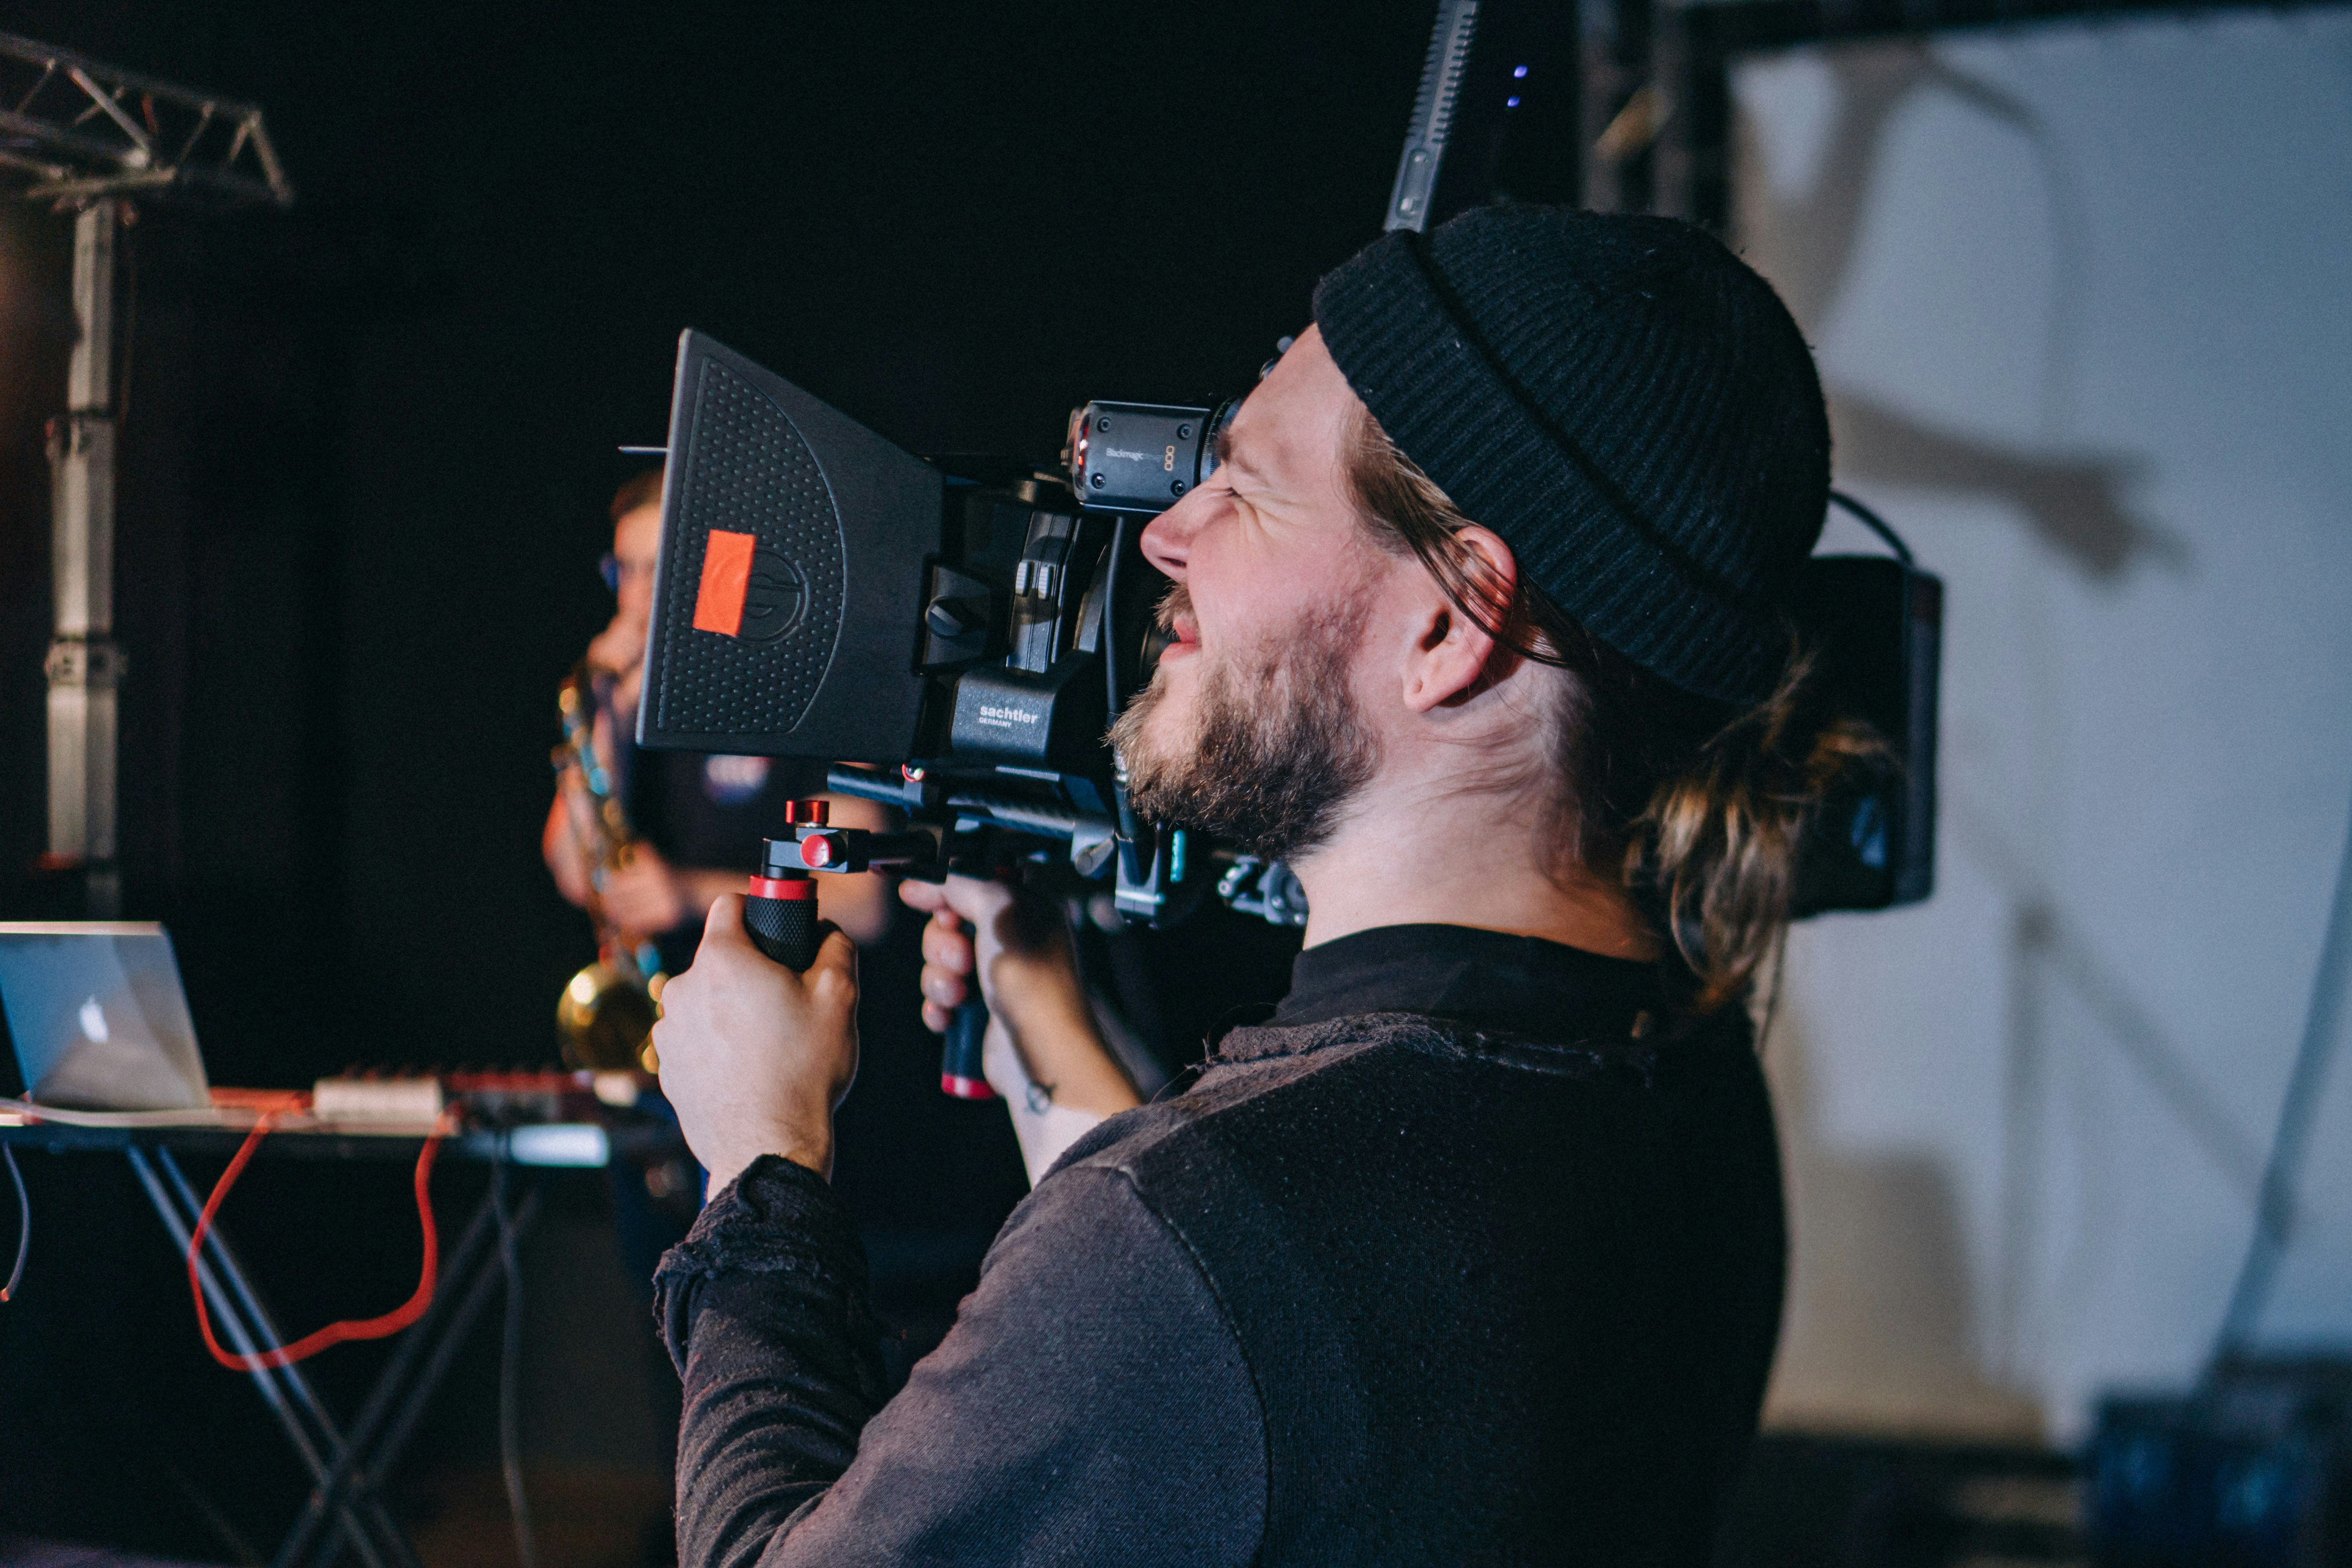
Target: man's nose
[{"x": 1169, "y": 538}]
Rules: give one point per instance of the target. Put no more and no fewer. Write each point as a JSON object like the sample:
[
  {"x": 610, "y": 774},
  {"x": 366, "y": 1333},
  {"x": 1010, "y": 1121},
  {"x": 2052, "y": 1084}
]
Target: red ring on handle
[{"x": 795, "y": 888}]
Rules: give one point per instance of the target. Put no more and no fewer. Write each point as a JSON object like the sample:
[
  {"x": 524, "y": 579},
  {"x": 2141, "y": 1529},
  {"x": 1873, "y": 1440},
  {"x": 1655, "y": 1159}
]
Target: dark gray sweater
[{"x": 1492, "y": 1280}]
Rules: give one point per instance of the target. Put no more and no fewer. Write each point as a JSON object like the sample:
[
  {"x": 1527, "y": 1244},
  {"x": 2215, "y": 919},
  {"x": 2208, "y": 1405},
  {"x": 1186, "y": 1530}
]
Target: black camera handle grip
[
  {"x": 959, "y": 1068},
  {"x": 779, "y": 905},
  {"x": 962, "y": 1073},
  {"x": 779, "y": 917}
]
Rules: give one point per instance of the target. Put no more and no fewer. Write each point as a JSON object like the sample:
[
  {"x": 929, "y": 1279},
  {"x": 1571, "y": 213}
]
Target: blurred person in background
[{"x": 928, "y": 1178}]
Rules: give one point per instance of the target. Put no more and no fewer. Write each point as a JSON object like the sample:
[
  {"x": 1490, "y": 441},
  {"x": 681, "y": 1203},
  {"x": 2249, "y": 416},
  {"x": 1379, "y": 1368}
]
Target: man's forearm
[
  {"x": 764, "y": 1310},
  {"x": 1065, "y": 1054},
  {"x": 1091, "y": 1402}
]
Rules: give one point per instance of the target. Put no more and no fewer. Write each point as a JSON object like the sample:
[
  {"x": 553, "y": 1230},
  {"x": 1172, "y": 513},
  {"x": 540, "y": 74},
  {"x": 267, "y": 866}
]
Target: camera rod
[{"x": 919, "y": 794}]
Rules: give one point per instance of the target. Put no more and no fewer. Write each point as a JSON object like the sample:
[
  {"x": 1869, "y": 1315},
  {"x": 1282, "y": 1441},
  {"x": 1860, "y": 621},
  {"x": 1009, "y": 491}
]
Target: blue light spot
[
  {"x": 1510, "y": 103},
  {"x": 1867, "y": 831},
  {"x": 1518, "y": 71}
]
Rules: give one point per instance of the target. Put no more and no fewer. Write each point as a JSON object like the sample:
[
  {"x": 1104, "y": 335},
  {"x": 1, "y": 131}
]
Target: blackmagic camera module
[{"x": 958, "y": 636}]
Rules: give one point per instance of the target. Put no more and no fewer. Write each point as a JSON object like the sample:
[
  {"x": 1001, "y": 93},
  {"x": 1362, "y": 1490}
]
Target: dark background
[{"x": 368, "y": 446}]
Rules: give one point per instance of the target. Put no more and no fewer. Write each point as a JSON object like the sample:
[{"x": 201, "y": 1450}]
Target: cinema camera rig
[{"x": 956, "y": 638}]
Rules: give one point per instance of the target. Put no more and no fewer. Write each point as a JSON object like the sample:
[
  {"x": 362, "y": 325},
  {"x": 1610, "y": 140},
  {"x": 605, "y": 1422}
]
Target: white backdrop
[{"x": 2083, "y": 300}]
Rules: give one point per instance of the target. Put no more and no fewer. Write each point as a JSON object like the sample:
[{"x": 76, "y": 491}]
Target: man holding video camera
[{"x": 1473, "y": 1252}]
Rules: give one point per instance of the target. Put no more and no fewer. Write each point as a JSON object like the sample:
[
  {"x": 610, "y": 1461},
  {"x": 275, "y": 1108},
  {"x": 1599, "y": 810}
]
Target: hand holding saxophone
[
  {"x": 608, "y": 1009},
  {"x": 644, "y": 892}
]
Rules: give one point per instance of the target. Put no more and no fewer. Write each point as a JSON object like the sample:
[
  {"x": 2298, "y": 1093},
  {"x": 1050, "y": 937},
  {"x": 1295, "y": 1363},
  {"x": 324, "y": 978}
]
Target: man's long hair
[{"x": 1696, "y": 807}]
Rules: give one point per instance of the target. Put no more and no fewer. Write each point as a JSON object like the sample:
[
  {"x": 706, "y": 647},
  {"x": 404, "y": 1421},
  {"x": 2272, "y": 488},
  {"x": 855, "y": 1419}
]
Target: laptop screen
[{"x": 97, "y": 1017}]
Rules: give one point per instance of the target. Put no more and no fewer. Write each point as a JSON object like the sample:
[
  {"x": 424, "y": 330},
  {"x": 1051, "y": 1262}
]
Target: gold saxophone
[{"x": 605, "y": 1016}]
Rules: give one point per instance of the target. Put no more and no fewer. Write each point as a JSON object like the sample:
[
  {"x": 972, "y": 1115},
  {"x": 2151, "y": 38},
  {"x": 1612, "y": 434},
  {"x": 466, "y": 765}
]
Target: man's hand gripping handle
[{"x": 780, "y": 916}]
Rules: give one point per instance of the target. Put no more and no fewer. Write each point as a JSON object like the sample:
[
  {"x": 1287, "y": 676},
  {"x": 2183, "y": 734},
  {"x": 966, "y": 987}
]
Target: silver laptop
[{"x": 97, "y": 1016}]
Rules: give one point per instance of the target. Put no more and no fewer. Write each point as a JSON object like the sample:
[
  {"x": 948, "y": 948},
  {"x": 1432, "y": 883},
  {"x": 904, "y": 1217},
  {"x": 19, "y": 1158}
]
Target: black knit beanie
[{"x": 1624, "y": 401}]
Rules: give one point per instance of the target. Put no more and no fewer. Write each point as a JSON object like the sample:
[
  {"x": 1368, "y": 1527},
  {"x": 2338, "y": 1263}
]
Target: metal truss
[
  {"x": 74, "y": 131},
  {"x": 93, "y": 139}
]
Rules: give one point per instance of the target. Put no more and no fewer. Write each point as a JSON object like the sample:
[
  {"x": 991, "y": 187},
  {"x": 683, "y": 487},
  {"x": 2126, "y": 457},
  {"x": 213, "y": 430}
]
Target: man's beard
[{"x": 1280, "y": 746}]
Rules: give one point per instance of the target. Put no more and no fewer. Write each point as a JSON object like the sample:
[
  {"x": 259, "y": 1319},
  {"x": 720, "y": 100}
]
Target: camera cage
[{"x": 936, "y": 630}]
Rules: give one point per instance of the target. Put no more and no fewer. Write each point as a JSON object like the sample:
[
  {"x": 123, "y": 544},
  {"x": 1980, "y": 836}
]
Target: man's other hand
[
  {"x": 1015, "y": 945},
  {"x": 1020, "y": 950},
  {"x": 753, "y": 1057}
]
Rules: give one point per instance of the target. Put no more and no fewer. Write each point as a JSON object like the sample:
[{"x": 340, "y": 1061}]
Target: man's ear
[{"x": 1453, "y": 658}]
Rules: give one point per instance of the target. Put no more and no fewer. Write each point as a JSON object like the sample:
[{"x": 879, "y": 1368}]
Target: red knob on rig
[{"x": 808, "y": 813}]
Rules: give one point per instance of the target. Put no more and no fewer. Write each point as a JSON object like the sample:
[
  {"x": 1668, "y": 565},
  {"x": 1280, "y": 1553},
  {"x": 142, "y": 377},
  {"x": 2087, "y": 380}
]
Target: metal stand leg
[
  {"x": 380, "y": 1542},
  {"x": 390, "y": 1414},
  {"x": 345, "y": 1472}
]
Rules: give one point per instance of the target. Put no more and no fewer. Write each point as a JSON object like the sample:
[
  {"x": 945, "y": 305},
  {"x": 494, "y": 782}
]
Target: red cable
[{"x": 391, "y": 1322}]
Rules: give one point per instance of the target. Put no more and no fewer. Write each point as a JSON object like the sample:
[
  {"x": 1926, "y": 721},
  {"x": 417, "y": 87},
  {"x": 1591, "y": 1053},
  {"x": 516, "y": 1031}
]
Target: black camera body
[{"x": 965, "y": 629}]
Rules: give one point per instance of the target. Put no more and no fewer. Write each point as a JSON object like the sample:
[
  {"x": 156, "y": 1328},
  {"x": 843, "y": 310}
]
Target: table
[{"x": 345, "y": 1511}]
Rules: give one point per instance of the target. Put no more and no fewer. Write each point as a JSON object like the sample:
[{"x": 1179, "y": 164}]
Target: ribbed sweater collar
[{"x": 1485, "y": 979}]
